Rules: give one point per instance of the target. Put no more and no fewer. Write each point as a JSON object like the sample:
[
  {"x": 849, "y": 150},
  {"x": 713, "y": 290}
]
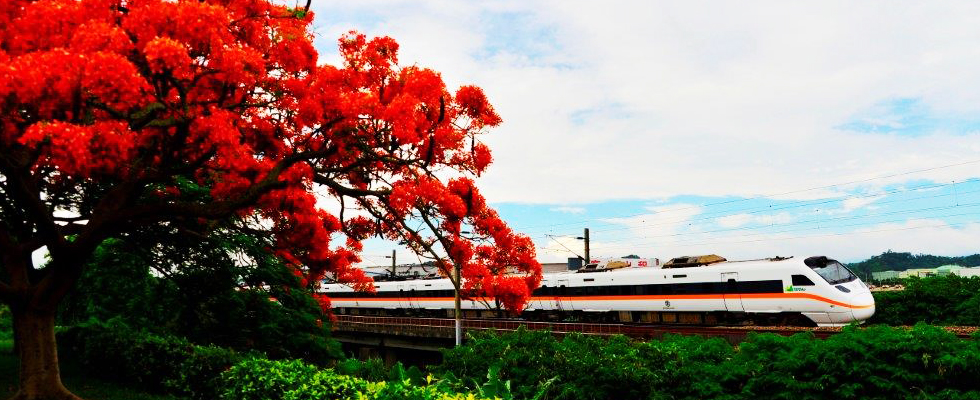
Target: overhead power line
[{"x": 772, "y": 195}]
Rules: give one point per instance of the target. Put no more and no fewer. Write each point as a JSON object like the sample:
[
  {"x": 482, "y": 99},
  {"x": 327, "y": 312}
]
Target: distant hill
[{"x": 892, "y": 261}]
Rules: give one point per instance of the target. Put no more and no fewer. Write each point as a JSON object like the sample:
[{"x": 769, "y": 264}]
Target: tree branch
[
  {"x": 25, "y": 192},
  {"x": 347, "y": 191},
  {"x": 14, "y": 265},
  {"x": 7, "y": 293}
]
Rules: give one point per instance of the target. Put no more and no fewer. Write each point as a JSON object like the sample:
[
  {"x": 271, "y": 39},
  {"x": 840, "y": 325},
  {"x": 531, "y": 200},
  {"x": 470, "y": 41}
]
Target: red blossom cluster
[{"x": 139, "y": 95}]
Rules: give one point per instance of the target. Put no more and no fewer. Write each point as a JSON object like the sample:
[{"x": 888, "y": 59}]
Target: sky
[{"x": 744, "y": 129}]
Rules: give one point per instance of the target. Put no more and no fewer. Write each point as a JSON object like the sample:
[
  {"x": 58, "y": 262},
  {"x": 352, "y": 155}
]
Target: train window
[
  {"x": 802, "y": 280},
  {"x": 834, "y": 273},
  {"x": 680, "y": 276},
  {"x": 590, "y": 280}
]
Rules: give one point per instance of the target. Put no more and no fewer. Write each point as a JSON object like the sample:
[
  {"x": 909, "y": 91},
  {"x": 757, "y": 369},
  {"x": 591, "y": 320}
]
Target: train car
[{"x": 774, "y": 291}]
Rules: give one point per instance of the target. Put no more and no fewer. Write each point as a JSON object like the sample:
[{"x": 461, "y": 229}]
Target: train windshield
[{"x": 835, "y": 273}]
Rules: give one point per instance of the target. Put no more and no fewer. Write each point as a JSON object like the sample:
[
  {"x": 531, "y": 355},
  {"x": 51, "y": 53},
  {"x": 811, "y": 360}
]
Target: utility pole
[
  {"x": 459, "y": 324},
  {"x": 393, "y": 264},
  {"x": 587, "y": 256}
]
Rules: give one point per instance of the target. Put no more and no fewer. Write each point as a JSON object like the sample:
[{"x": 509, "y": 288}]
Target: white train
[{"x": 774, "y": 291}]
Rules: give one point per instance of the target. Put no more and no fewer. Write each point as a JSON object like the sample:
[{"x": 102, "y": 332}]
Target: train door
[
  {"x": 405, "y": 297},
  {"x": 401, "y": 300},
  {"x": 733, "y": 300},
  {"x": 561, "y": 293},
  {"x": 413, "y": 298}
]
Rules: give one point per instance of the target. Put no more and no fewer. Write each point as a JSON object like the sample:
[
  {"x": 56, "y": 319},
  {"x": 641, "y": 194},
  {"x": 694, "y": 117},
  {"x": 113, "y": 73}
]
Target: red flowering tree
[{"x": 119, "y": 114}]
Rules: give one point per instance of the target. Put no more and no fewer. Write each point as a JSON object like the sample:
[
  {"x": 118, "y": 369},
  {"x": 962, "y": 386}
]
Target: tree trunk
[{"x": 40, "y": 377}]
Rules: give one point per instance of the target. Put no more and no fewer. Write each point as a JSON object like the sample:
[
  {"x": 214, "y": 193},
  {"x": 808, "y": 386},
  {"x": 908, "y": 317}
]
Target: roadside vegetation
[
  {"x": 940, "y": 300},
  {"x": 924, "y": 362}
]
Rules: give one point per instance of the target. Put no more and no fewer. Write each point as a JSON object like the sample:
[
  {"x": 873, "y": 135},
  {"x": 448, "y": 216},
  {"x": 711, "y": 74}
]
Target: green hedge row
[
  {"x": 6, "y": 329},
  {"x": 173, "y": 365},
  {"x": 263, "y": 379},
  {"x": 161, "y": 363},
  {"x": 924, "y": 362},
  {"x": 944, "y": 300}
]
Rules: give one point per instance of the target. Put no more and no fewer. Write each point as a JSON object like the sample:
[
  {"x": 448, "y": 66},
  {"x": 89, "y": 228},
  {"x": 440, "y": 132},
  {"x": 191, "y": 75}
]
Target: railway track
[{"x": 733, "y": 334}]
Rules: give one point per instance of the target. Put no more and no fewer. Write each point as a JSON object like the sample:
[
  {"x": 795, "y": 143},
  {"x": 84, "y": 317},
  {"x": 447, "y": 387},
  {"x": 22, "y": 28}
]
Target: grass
[{"x": 71, "y": 375}]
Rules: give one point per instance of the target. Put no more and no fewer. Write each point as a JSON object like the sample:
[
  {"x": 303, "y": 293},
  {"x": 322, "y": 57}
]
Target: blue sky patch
[{"x": 909, "y": 117}]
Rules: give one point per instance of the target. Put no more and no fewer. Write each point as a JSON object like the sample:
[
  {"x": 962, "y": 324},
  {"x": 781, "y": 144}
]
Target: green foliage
[
  {"x": 873, "y": 363},
  {"x": 946, "y": 300},
  {"x": 6, "y": 319},
  {"x": 580, "y": 366},
  {"x": 876, "y": 363},
  {"x": 405, "y": 391},
  {"x": 82, "y": 384},
  {"x": 262, "y": 379},
  {"x": 162, "y": 363},
  {"x": 373, "y": 370},
  {"x": 6, "y": 328},
  {"x": 412, "y": 375},
  {"x": 225, "y": 289},
  {"x": 892, "y": 261}
]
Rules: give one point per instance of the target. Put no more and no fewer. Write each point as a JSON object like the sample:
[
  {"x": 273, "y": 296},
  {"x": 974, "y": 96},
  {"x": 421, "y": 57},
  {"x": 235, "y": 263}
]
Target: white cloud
[
  {"x": 733, "y": 221},
  {"x": 918, "y": 236},
  {"x": 737, "y": 220},
  {"x": 640, "y": 100},
  {"x": 855, "y": 203},
  {"x": 568, "y": 210},
  {"x": 645, "y": 100}
]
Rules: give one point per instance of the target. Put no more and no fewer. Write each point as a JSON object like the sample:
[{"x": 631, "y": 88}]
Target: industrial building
[{"x": 950, "y": 269}]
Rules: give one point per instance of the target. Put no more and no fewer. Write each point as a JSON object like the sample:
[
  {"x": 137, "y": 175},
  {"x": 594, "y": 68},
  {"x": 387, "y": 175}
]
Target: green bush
[
  {"x": 876, "y": 363},
  {"x": 943, "y": 300},
  {"x": 6, "y": 323},
  {"x": 199, "y": 375},
  {"x": 373, "y": 369},
  {"x": 6, "y": 320},
  {"x": 162, "y": 363},
  {"x": 6, "y": 330},
  {"x": 261, "y": 379},
  {"x": 873, "y": 363},
  {"x": 201, "y": 298},
  {"x": 406, "y": 391}
]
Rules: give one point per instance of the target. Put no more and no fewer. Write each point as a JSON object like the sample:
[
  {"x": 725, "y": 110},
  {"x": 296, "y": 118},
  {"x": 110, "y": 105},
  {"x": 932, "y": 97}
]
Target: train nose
[{"x": 864, "y": 306}]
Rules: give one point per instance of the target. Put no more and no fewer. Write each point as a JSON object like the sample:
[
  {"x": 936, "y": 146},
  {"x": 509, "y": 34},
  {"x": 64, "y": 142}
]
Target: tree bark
[{"x": 40, "y": 377}]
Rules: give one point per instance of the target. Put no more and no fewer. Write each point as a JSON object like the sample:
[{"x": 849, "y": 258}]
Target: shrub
[
  {"x": 204, "y": 304},
  {"x": 6, "y": 320},
  {"x": 406, "y": 391},
  {"x": 262, "y": 379},
  {"x": 877, "y": 363},
  {"x": 199, "y": 375},
  {"x": 258, "y": 379},
  {"x": 944, "y": 300},
  {"x": 6, "y": 330},
  {"x": 162, "y": 363},
  {"x": 373, "y": 369}
]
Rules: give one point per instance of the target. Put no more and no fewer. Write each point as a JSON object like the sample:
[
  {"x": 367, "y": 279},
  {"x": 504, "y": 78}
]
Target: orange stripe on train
[{"x": 636, "y": 297}]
